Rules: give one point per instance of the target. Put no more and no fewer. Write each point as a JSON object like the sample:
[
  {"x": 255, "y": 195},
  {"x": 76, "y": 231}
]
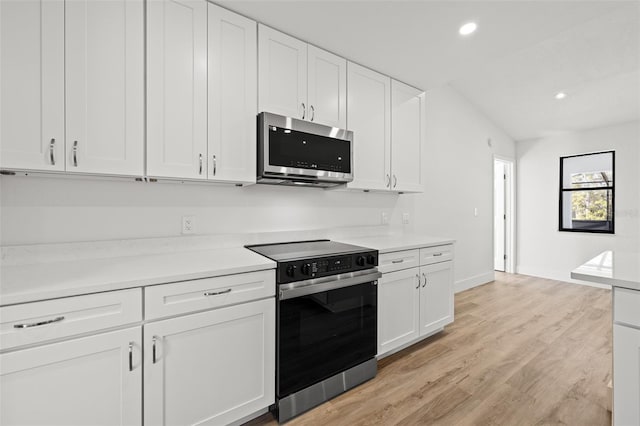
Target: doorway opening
[{"x": 503, "y": 214}]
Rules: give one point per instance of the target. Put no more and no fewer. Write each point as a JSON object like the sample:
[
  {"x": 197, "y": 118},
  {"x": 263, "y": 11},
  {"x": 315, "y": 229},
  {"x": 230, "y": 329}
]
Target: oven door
[{"x": 325, "y": 328}]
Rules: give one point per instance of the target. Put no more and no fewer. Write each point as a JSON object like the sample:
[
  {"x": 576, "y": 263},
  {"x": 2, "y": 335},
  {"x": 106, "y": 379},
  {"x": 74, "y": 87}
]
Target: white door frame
[{"x": 510, "y": 210}]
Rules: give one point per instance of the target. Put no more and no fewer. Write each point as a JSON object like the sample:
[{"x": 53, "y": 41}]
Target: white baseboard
[
  {"x": 474, "y": 281},
  {"x": 556, "y": 275}
]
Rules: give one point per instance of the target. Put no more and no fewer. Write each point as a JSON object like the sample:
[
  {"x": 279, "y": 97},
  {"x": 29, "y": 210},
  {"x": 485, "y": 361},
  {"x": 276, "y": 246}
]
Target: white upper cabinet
[
  {"x": 369, "y": 117},
  {"x": 326, "y": 88},
  {"x": 299, "y": 80},
  {"x": 32, "y": 85},
  {"x": 105, "y": 86},
  {"x": 407, "y": 135},
  {"x": 80, "y": 64},
  {"x": 282, "y": 75},
  {"x": 232, "y": 95},
  {"x": 177, "y": 89}
]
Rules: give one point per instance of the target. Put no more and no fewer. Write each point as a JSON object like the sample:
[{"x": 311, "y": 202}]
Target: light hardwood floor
[{"x": 522, "y": 351}]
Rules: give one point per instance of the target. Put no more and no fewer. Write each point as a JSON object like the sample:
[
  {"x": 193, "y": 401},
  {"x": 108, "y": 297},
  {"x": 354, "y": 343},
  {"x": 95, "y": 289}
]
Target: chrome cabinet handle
[
  {"x": 200, "y": 170},
  {"x": 154, "y": 339},
  {"x": 214, "y": 165},
  {"x": 437, "y": 254},
  {"x": 425, "y": 280},
  {"x": 388, "y": 180},
  {"x": 418, "y": 278},
  {"x": 215, "y": 293},
  {"x": 75, "y": 153},
  {"x": 304, "y": 110},
  {"x": 313, "y": 112},
  {"x": 397, "y": 261},
  {"x": 52, "y": 145},
  {"x": 395, "y": 181},
  {"x": 37, "y": 324},
  {"x": 130, "y": 356}
]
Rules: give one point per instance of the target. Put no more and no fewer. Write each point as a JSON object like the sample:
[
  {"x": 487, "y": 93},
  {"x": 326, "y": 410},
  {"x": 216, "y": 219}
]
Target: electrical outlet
[
  {"x": 405, "y": 218},
  {"x": 188, "y": 224},
  {"x": 384, "y": 218}
]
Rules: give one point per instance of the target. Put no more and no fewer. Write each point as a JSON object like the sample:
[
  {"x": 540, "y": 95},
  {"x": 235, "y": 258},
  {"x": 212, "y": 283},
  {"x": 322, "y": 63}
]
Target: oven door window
[{"x": 324, "y": 334}]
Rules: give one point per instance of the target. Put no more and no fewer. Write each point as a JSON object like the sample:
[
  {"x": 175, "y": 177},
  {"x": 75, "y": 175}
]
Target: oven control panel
[{"x": 300, "y": 270}]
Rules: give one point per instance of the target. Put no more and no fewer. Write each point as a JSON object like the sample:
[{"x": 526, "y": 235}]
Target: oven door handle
[{"x": 334, "y": 283}]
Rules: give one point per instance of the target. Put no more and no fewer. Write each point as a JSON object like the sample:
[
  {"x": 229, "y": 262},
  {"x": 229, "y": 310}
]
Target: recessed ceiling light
[
  {"x": 560, "y": 95},
  {"x": 468, "y": 28}
]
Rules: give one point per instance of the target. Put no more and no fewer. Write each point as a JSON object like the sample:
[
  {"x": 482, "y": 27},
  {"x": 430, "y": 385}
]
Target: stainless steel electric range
[{"x": 326, "y": 321}]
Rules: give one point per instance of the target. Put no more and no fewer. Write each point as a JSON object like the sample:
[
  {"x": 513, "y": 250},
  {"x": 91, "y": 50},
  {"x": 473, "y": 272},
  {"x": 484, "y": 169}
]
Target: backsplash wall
[{"x": 39, "y": 210}]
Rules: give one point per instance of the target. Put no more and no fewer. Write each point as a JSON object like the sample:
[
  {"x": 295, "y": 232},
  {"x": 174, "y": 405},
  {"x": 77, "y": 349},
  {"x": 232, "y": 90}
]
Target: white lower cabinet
[
  {"x": 95, "y": 380},
  {"x": 212, "y": 367},
  {"x": 626, "y": 375},
  {"x": 413, "y": 303},
  {"x": 626, "y": 357},
  {"x": 436, "y": 297},
  {"x": 398, "y": 309}
]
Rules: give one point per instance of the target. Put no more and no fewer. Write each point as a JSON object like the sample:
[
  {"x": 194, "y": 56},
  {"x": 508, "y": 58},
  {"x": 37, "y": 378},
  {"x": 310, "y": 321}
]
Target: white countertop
[
  {"x": 40, "y": 281},
  {"x": 390, "y": 243},
  {"x": 618, "y": 269},
  {"x": 48, "y": 272}
]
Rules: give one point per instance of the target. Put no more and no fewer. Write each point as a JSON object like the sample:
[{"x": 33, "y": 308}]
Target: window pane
[
  {"x": 588, "y": 210},
  {"x": 588, "y": 171},
  {"x": 592, "y": 180}
]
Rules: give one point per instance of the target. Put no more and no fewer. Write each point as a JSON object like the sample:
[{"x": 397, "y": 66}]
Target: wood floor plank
[{"x": 522, "y": 351}]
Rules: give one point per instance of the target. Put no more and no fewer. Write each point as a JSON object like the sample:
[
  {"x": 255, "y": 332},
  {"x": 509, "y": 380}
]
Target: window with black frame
[{"x": 587, "y": 192}]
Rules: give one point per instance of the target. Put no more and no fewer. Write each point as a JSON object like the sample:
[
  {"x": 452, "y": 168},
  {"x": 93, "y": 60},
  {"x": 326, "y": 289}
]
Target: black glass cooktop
[{"x": 285, "y": 252}]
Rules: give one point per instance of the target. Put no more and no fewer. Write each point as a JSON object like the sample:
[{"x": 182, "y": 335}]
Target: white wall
[
  {"x": 459, "y": 178},
  {"x": 543, "y": 250},
  {"x": 458, "y": 171}
]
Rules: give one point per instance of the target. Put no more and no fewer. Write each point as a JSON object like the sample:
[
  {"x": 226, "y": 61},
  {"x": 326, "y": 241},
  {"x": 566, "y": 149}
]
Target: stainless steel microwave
[{"x": 298, "y": 152}]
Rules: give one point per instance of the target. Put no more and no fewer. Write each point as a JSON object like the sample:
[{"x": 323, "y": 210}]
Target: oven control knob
[
  {"x": 360, "y": 261},
  {"x": 306, "y": 268},
  {"x": 371, "y": 259},
  {"x": 291, "y": 271}
]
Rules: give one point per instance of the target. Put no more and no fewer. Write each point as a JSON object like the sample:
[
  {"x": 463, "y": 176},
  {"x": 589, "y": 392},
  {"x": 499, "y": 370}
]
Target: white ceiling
[{"x": 521, "y": 55}]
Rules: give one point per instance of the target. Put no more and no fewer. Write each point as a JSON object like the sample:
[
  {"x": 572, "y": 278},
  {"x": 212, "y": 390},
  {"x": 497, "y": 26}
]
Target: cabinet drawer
[
  {"x": 397, "y": 260},
  {"x": 196, "y": 295},
  {"x": 626, "y": 306},
  {"x": 30, "y": 323},
  {"x": 436, "y": 254}
]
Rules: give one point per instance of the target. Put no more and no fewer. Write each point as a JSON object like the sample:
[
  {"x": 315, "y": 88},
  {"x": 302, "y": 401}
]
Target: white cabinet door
[
  {"x": 398, "y": 306},
  {"x": 626, "y": 375},
  {"x": 436, "y": 297},
  {"x": 232, "y": 96},
  {"x": 327, "y": 88},
  {"x": 105, "y": 86},
  {"x": 282, "y": 74},
  {"x": 177, "y": 88},
  {"x": 407, "y": 134},
  {"x": 213, "y": 367},
  {"x": 86, "y": 381},
  {"x": 32, "y": 84},
  {"x": 369, "y": 117}
]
